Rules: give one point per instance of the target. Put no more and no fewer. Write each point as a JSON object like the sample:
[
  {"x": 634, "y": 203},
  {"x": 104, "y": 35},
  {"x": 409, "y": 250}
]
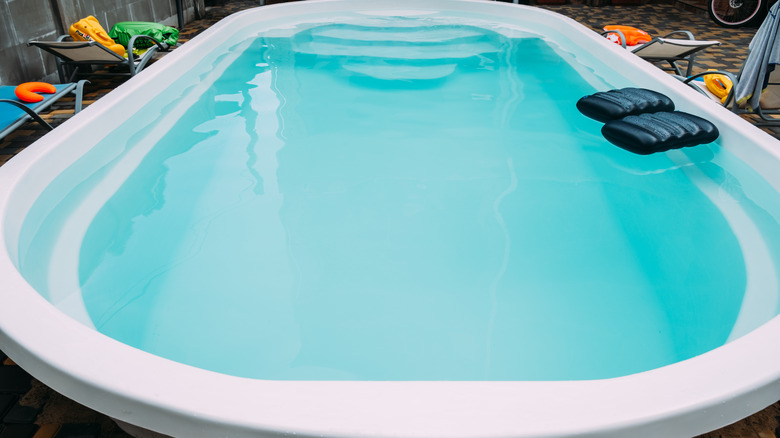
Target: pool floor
[{"x": 52, "y": 413}]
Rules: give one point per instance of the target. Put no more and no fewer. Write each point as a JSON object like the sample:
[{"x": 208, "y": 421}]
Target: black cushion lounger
[
  {"x": 644, "y": 121},
  {"x": 616, "y": 104},
  {"x": 658, "y": 132}
]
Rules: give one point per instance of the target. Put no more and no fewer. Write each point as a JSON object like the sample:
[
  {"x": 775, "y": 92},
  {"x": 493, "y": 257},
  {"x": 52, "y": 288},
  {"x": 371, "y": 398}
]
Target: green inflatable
[{"x": 123, "y": 31}]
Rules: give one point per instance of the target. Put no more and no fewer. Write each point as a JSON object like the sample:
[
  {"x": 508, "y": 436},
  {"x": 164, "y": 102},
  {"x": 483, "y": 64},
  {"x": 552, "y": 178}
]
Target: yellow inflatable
[
  {"x": 88, "y": 29},
  {"x": 719, "y": 85}
]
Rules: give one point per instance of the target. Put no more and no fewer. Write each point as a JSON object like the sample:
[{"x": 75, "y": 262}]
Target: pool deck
[{"x": 28, "y": 408}]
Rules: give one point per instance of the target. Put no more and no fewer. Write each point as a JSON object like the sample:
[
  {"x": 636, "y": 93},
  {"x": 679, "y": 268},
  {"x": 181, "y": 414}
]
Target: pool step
[
  {"x": 397, "y": 52},
  {"x": 412, "y": 53},
  {"x": 401, "y": 72},
  {"x": 414, "y": 35}
]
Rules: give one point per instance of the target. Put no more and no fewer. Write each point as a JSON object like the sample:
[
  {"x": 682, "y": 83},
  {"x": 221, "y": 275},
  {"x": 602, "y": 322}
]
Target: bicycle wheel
[{"x": 733, "y": 13}]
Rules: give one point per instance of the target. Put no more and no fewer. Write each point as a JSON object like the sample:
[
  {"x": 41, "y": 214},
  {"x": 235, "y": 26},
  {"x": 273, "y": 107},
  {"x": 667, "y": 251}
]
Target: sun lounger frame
[
  {"x": 31, "y": 112},
  {"x": 73, "y": 56}
]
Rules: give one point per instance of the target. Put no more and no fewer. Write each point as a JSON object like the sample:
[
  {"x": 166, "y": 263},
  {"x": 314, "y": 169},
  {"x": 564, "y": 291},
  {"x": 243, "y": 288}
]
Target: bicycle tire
[{"x": 734, "y": 13}]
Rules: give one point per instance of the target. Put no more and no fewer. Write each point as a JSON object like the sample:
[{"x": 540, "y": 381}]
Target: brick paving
[{"x": 29, "y": 409}]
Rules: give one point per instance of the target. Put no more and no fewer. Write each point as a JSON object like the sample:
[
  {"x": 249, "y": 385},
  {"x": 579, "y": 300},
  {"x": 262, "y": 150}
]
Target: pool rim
[{"x": 729, "y": 382}]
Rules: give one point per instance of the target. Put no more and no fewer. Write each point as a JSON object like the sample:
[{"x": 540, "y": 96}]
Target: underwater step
[
  {"x": 397, "y": 52},
  {"x": 401, "y": 72},
  {"x": 415, "y": 35}
]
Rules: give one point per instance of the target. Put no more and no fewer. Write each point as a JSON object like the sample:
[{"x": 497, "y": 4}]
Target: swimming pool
[{"x": 364, "y": 213}]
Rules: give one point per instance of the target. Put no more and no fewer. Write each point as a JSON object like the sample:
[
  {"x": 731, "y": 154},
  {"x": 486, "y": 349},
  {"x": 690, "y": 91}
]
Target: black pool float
[
  {"x": 658, "y": 132},
  {"x": 616, "y": 104}
]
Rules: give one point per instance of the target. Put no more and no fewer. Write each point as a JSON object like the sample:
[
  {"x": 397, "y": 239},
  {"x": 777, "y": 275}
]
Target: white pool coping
[{"x": 683, "y": 399}]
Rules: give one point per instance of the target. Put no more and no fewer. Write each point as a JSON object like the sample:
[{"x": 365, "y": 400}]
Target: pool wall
[{"x": 683, "y": 399}]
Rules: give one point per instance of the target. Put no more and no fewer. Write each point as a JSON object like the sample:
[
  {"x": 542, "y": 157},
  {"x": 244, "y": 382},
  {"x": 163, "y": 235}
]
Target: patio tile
[
  {"x": 47, "y": 431},
  {"x": 6, "y": 402},
  {"x": 14, "y": 380},
  {"x": 19, "y": 414},
  {"x": 79, "y": 431},
  {"x": 18, "y": 430}
]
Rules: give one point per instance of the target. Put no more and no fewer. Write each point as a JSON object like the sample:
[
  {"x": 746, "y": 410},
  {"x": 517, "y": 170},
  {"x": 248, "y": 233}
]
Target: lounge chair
[
  {"x": 670, "y": 50},
  {"x": 756, "y": 92},
  {"x": 71, "y": 56},
  {"x": 701, "y": 87},
  {"x": 673, "y": 50},
  {"x": 13, "y": 112},
  {"x": 756, "y": 89},
  {"x": 769, "y": 101}
]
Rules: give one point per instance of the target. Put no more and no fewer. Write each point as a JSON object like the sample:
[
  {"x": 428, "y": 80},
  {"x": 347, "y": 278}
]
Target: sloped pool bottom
[
  {"x": 685, "y": 398},
  {"x": 307, "y": 220}
]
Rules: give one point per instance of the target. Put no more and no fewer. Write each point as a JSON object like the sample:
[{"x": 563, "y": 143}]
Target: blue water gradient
[{"x": 404, "y": 202}]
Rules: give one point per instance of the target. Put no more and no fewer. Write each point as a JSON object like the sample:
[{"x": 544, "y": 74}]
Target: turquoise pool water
[{"x": 398, "y": 199}]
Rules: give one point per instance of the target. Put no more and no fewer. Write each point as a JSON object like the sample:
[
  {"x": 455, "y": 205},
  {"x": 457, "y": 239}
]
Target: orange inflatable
[
  {"x": 88, "y": 29},
  {"x": 633, "y": 35},
  {"x": 28, "y": 91}
]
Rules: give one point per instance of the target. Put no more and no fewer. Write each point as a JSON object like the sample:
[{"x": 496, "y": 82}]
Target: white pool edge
[{"x": 713, "y": 389}]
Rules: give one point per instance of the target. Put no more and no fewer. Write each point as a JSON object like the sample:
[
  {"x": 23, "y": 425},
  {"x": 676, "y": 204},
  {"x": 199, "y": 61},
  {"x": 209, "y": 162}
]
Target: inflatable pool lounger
[{"x": 644, "y": 121}]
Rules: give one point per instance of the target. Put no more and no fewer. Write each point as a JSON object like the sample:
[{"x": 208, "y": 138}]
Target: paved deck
[{"x": 30, "y": 409}]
